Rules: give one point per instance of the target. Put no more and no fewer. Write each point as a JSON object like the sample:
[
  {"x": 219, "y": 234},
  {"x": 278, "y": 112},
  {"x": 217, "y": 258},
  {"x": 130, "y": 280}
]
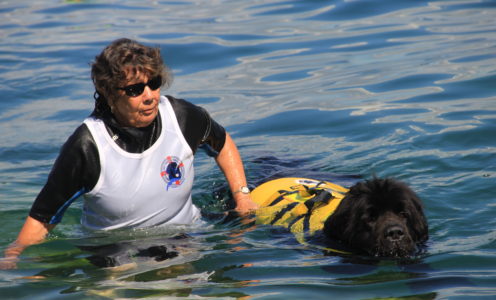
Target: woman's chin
[{"x": 146, "y": 117}]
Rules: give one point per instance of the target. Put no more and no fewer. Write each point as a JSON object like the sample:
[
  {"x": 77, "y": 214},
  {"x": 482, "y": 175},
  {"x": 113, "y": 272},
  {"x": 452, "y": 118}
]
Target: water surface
[{"x": 325, "y": 88}]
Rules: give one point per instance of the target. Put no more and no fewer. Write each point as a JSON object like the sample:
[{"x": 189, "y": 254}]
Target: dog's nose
[{"x": 394, "y": 233}]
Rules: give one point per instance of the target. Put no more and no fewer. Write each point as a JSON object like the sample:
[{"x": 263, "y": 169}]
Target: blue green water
[{"x": 392, "y": 88}]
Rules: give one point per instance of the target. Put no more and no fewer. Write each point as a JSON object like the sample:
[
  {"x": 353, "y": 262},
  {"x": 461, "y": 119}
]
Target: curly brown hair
[{"x": 122, "y": 59}]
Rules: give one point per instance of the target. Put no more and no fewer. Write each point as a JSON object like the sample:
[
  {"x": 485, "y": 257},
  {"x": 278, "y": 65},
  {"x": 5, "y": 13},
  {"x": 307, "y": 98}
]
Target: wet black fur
[{"x": 379, "y": 217}]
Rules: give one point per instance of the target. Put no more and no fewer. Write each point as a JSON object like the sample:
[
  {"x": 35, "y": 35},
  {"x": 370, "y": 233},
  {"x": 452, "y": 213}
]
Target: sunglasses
[{"x": 137, "y": 89}]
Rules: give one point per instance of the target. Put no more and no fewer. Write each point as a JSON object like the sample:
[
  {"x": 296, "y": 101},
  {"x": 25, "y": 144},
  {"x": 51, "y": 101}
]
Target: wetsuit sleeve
[
  {"x": 198, "y": 128},
  {"x": 75, "y": 172}
]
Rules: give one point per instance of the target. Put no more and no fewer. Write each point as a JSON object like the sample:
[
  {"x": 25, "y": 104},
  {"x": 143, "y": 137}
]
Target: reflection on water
[{"x": 324, "y": 88}]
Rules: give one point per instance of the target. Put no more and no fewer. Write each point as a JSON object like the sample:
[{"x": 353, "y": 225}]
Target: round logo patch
[{"x": 172, "y": 171}]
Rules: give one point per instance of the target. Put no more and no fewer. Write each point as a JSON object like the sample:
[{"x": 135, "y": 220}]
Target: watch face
[{"x": 245, "y": 190}]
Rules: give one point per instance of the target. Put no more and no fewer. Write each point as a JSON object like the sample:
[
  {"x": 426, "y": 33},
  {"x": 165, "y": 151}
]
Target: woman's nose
[{"x": 147, "y": 92}]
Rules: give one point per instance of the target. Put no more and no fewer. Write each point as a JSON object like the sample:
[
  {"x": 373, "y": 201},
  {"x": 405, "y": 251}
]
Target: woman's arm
[
  {"x": 33, "y": 232},
  {"x": 76, "y": 168},
  {"x": 231, "y": 165}
]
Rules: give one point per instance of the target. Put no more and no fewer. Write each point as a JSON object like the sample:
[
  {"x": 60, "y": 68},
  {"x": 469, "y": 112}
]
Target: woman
[{"x": 132, "y": 159}]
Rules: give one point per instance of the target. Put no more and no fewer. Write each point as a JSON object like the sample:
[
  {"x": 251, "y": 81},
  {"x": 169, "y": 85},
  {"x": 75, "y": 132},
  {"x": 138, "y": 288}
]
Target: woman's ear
[{"x": 111, "y": 103}]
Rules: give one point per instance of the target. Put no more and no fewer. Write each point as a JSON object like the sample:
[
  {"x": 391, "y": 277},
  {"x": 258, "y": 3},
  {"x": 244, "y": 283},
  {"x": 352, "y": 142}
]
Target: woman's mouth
[{"x": 149, "y": 111}]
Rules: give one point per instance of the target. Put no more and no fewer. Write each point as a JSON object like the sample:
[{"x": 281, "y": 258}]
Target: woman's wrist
[
  {"x": 244, "y": 203},
  {"x": 13, "y": 250},
  {"x": 243, "y": 189}
]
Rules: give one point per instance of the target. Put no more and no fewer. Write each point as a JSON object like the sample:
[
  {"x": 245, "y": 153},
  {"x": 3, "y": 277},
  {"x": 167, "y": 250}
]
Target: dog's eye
[
  {"x": 370, "y": 219},
  {"x": 372, "y": 216},
  {"x": 404, "y": 214}
]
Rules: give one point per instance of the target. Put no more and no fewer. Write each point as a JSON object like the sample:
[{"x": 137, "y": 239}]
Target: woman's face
[{"x": 138, "y": 110}]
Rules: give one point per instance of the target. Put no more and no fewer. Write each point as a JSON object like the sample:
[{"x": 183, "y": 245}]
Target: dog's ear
[
  {"x": 416, "y": 217},
  {"x": 421, "y": 230},
  {"x": 338, "y": 223},
  {"x": 419, "y": 224},
  {"x": 334, "y": 226}
]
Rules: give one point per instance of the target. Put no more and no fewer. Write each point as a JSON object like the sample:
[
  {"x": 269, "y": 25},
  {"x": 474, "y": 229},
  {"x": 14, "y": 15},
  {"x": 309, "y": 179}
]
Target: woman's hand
[
  {"x": 7, "y": 263},
  {"x": 32, "y": 232},
  {"x": 244, "y": 203}
]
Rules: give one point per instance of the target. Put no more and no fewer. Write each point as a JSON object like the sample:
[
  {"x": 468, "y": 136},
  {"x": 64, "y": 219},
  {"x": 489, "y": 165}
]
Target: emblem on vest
[{"x": 172, "y": 171}]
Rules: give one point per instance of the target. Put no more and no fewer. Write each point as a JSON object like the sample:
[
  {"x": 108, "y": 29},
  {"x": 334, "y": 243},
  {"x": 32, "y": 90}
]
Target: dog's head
[{"x": 382, "y": 217}]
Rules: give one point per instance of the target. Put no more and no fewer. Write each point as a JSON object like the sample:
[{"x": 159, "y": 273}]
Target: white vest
[{"x": 141, "y": 189}]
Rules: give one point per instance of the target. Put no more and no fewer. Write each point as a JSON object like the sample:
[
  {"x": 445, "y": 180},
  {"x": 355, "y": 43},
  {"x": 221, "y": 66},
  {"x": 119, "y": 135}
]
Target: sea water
[{"x": 335, "y": 89}]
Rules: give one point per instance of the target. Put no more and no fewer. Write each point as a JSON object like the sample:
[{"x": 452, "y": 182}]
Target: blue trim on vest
[
  {"x": 208, "y": 150},
  {"x": 60, "y": 212}
]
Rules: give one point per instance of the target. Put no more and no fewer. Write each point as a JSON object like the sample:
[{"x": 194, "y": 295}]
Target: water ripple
[{"x": 393, "y": 88}]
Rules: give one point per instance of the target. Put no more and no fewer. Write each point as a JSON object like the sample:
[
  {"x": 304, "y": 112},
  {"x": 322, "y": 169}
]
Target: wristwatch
[{"x": 243, "y": 189}]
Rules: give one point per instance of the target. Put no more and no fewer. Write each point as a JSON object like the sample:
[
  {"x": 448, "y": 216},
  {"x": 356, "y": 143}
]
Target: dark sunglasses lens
[
  {"x": 155, "y": 83},
  {"x": 135, "y": 89}
]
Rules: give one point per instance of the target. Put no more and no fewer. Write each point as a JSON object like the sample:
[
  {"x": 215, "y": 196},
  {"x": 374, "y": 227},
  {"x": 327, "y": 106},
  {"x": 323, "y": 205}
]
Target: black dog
[{"x": 381, "y": 217}]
